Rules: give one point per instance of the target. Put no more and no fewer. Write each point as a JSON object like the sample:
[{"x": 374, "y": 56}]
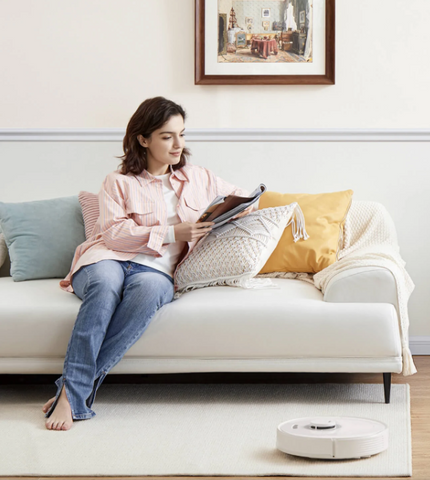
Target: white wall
[
  {"x": 90, "y": 63},
  {"x": 224, "y": 6}
]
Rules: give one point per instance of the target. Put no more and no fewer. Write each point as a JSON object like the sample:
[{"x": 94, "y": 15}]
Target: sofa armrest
[{"x": 362, "y": 285}]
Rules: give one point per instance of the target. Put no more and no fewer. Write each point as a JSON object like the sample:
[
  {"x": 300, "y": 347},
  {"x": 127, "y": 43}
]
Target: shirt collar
[{"x": 145, "y": 177}]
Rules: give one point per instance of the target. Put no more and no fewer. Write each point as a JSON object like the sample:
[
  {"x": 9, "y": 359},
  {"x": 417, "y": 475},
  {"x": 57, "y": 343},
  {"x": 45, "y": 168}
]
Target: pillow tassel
[{"x": 298, "y": 223}]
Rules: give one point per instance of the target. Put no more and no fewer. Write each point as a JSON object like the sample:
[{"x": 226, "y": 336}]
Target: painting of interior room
[{"x": 259, "y": 31}]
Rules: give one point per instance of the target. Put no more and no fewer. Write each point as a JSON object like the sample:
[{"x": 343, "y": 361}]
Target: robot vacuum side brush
[{"x": 332, "y": 437}]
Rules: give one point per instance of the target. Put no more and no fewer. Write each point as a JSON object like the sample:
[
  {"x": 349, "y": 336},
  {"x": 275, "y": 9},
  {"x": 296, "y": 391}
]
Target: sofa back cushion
[
  {"x": 325, "y": 214},
  {"x": 4, "y": 257},
  {"x": 42, "y": 236},
  {"x": 3, "y": 249}
]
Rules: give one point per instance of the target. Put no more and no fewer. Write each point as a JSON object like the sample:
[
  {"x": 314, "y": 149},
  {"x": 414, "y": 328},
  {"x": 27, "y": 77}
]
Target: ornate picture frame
[{"x": 229, "y": 66}]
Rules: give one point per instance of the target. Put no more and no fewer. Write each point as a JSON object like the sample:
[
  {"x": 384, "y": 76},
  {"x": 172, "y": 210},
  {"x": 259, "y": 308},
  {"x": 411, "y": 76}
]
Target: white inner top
[{"x": 167, "y": 263}]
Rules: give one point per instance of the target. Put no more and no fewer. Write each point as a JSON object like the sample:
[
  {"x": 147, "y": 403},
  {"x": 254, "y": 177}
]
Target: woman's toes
[
  {"x": 61, "y": 416},
  {"x": 67, "y": 426},
  {"x": 50, "y": 425},
  {"x": 48, "y": 404}
]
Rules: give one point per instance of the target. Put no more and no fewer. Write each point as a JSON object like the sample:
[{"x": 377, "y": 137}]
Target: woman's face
[{"x": 165, "y": 145}]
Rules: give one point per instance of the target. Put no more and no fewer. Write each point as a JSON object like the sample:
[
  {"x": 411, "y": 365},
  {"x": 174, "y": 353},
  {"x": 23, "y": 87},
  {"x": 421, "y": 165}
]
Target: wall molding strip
[{"x": 221, "y": 135}]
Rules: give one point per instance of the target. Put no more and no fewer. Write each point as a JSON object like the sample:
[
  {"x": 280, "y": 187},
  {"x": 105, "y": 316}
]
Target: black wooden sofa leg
[{"x": 387, "y": 386}]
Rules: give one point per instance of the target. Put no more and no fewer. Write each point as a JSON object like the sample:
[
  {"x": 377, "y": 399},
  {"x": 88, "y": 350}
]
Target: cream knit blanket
[{"x": 369, "y": 239}]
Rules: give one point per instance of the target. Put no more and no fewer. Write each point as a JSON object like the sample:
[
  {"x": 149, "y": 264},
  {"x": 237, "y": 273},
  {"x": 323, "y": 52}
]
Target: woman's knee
[
  {"x": 150, "y": 288},
  {"x": 105, "y": 278}
]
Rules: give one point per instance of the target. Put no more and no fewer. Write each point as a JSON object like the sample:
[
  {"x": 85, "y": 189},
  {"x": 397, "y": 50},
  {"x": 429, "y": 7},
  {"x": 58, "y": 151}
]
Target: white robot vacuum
[{"x": 332, "y": 437}]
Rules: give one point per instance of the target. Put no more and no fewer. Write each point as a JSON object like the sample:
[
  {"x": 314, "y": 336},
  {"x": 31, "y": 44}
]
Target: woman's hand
[{"x": 189, "y": 232}]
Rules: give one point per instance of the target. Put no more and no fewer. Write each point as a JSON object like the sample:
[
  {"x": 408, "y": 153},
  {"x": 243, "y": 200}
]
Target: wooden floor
[{"x": 420, "y": 406}]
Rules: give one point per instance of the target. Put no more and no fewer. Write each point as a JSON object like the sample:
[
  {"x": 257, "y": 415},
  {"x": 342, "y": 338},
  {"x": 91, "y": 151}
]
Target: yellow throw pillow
[{"x": 325, "y": 215}]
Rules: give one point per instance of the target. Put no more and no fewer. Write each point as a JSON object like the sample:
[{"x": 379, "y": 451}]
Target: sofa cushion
[
  {"x": 291, "y": 321},
  {"x": 235, "y": 252},
  {"x": 42, "y": 236},
  {"x": 325, "y": 214}
]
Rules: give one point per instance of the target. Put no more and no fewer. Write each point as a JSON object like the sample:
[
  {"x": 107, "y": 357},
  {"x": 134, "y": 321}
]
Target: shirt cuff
[
  {"x": 170, "y": 237},
  {"x": 156, "y": 239}
]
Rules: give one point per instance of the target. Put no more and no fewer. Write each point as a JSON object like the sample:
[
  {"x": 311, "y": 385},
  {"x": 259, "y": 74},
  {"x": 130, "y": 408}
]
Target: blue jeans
[{"x": 119, "y": 299}]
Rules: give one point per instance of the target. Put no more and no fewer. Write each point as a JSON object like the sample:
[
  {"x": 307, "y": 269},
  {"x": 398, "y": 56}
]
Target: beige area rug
[{"x": 192, "y": 429}]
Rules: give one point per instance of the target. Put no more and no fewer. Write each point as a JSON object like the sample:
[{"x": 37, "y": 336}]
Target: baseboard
[{"x": 419, "y": 345}]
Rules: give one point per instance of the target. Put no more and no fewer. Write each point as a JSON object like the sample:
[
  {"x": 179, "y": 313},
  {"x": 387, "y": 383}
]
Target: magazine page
[
  {"x": 222, "y": 209},
  {"x": 211, "y": 208}
]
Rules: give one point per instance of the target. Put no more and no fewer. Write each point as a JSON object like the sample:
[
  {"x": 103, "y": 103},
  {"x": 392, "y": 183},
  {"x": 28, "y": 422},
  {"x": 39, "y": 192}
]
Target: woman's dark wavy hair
[{"x": 151, "y": 115}]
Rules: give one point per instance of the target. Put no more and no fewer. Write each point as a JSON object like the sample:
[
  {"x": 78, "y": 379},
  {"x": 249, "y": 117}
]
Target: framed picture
[
  {"x": 302, "y": 17},
  {"x": 306, "y": 58},
  {"x": 240, "y": 39},
  {"x": 265, "y": 12}
]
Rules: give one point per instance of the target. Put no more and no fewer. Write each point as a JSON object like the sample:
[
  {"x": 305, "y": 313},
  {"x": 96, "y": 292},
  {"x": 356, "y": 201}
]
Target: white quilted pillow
[
  {"x": 3, "y": 249},
  {"x": 234, "y": 253}
]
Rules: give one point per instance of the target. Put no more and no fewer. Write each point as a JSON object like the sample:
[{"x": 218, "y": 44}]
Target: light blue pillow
[{"x": 42, "y": 236}]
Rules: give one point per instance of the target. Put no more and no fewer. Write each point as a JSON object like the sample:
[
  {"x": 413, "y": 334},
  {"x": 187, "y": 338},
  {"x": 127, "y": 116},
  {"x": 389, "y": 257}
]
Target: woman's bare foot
[
  {"x": 48, "y": 404},
  {"x": 61, "y": 417}
]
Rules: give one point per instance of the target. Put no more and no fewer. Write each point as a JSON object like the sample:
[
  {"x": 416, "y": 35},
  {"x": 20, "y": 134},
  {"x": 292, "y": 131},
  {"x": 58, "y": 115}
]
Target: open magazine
[{"x": 223, "y": 209}]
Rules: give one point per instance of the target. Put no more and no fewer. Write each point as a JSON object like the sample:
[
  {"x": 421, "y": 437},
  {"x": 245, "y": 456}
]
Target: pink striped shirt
[{"x": 133, "y": 215}]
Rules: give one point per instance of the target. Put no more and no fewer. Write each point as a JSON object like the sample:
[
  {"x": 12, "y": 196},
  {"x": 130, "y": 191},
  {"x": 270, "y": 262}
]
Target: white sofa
[{"x": 354, "y": 327}]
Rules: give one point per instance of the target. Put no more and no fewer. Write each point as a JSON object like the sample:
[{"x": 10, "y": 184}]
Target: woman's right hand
[{"x": 189, "y": 232}]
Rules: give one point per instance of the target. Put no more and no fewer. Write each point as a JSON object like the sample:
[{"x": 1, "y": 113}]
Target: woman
[{"x": 124, "y": 272}]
